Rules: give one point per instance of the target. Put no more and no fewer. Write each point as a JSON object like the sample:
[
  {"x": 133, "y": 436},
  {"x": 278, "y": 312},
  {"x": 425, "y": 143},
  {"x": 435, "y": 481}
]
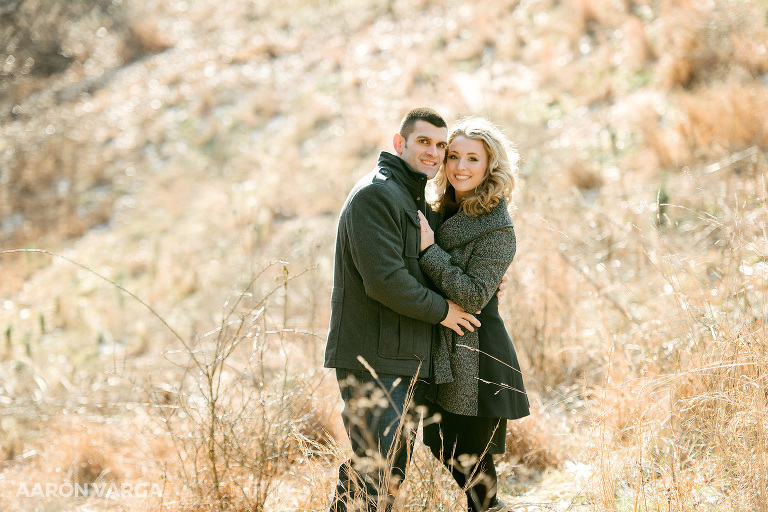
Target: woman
[{"x": 478, "y": 385}]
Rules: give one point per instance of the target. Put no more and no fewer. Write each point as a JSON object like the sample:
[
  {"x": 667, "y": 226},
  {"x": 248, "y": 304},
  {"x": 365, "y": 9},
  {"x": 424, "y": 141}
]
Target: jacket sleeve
[
  {"x": 472, "y": 289},
  {"x": 375, "y": 229}
]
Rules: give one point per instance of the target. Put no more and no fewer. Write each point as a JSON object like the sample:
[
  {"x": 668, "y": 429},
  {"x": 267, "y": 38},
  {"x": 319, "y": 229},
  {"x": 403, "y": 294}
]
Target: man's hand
[
  {"x": 458, "y": 318},
  {"x": 502, "y": 286}
]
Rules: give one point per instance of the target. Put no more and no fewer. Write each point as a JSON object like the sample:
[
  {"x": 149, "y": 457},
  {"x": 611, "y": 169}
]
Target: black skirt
[
  {"x": 501, "y": 390},
  {"x": 458, "y": 435}
]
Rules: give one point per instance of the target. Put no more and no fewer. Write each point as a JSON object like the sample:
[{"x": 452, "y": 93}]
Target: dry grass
[
  {"x": 725, "y": 122},
  {"x": 206, "y": 139},
  {"x": 700, "y": 44},
  {"x": 534, "y": 444}
]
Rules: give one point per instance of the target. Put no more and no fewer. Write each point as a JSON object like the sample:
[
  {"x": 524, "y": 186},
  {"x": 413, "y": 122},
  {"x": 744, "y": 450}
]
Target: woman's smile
[{"x": 466, "y": 165}]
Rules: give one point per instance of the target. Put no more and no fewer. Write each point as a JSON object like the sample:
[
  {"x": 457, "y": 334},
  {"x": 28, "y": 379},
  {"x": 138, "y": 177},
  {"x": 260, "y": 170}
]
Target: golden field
[{"x": 170, "y": 176}]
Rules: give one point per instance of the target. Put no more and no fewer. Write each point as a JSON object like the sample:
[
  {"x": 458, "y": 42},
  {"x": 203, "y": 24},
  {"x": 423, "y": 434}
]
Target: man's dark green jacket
[{"x": 382, "y": 307}]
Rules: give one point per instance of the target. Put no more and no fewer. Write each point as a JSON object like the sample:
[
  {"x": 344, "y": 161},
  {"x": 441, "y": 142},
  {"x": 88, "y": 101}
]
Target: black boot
[{"x": 498, "y": 506}]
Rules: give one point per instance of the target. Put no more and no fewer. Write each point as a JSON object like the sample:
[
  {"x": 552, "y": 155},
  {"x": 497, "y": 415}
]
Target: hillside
[{"x": 181, "y": 164}]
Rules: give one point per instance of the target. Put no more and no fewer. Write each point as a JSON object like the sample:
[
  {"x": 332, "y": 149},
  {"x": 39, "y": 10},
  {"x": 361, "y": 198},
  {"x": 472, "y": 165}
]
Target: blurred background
[{"x": 170, "y": 177}]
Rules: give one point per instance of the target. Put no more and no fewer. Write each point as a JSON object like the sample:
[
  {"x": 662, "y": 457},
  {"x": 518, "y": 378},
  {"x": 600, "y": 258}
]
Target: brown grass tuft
[
  {"x": 533, "y": 443},
  {"x": 583, "y": 176},
  {"x": 726, "y": 120},
  {"x": 85, "y": 454}
]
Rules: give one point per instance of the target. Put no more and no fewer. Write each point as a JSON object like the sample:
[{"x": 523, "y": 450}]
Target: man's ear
[{"x": 398, "y": 142}]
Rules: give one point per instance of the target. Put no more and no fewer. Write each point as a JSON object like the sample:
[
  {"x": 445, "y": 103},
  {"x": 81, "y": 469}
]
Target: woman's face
[{"x": 465, "y": 165}]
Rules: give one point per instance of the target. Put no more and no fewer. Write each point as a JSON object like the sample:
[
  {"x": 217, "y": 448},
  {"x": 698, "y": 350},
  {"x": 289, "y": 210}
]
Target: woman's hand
[
  {"x": 502, "y": 287},
  {"x": 427, "y": 235}
]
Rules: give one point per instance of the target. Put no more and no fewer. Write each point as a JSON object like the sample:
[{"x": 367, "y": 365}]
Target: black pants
[{"x": 465, "y": 445}]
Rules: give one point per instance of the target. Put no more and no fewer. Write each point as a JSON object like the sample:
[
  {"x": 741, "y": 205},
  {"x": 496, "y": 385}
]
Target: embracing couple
[{"x": 415, "y": 328}]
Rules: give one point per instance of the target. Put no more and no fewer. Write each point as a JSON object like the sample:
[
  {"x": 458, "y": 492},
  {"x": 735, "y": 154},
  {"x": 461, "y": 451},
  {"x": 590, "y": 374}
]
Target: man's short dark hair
[{"x": 424, "y": 114}]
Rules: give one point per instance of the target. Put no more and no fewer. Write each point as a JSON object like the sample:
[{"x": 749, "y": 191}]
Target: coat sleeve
[
  {"x": 375, "y": 228},
  {"x": 472, "y": 289}
]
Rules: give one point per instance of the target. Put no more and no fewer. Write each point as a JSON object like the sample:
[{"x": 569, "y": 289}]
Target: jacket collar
[
  {"x": 462, "y": 228},
  {"x": 395, "y": 167}
]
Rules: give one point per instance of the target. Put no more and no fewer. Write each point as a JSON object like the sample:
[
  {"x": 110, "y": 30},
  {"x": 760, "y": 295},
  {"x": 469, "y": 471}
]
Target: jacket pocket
[
  {"x": 389, "y": 334},
  {"x": 402, "y": 337},
  {"x": 416, "y": 336},
  {"x": 412, "y": 234}
]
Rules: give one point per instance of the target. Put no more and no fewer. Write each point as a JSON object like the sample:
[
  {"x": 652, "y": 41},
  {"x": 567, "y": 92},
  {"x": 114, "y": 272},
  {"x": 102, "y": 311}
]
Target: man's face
[{"x": 424, "y": 150}]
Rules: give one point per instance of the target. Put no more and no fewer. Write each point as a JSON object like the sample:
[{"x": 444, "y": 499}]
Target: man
[{"x": 383, "y": 312}]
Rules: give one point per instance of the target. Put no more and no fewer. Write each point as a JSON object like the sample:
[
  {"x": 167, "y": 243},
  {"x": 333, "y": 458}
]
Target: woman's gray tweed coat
[{"x": 467, "y": 263}]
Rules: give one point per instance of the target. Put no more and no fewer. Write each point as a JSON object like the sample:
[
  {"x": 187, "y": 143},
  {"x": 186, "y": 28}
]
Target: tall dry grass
[
  {"x": 679, "y": 419},
  {"x": 222, "y": 421},
  {"x": 237, "y": 419}
]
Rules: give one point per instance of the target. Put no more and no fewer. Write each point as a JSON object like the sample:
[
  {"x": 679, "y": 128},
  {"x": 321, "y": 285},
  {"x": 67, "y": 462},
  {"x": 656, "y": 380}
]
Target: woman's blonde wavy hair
[{"x": 499, "y": 181}]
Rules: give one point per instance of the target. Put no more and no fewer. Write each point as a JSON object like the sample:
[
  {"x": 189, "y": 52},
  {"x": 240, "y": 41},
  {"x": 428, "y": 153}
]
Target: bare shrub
[{"x": 242, "y": 416}]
